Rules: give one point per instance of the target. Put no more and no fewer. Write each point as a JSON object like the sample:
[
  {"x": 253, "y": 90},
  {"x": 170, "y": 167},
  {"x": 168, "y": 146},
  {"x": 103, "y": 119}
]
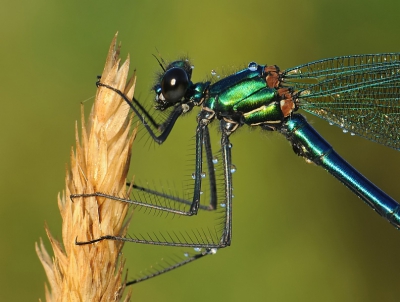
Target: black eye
[{"x": 174, "y": 84}]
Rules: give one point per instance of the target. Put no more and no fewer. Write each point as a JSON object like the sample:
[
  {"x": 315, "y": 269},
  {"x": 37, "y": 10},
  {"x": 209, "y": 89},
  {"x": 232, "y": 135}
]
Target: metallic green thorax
[{"x": 245, "y": 95}]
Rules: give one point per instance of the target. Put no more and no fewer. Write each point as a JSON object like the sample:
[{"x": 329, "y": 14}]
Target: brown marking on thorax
[
  {"x": 273, "y": 76},
  {"x": 287, "y": 103}
]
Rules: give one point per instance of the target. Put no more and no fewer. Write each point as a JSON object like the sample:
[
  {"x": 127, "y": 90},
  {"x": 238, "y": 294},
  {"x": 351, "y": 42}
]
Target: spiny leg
[
  {"x": 202, "y": 134},
  {"x": 145, "y": 117},
  {"x": 226, "y": 237},
  {"x": 227, "y": 163},
  {"x": 227, "y": 230},
  {"x": 206, "y": 252},
  {"x": 212, "y": 180}
]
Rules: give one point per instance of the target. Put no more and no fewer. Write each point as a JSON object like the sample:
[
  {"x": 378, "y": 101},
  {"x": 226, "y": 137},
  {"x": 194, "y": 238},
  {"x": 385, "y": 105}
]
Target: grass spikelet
[{"x": 99, "y": 163}]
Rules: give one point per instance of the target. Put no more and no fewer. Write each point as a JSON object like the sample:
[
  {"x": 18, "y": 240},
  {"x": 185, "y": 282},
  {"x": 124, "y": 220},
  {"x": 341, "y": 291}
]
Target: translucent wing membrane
[
  {"x": 361, "y": 94},
  {"x": 341, "y": 66}
]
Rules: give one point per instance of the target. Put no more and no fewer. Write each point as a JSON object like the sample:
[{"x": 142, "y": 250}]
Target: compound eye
[{"x": 174, "y": 84}]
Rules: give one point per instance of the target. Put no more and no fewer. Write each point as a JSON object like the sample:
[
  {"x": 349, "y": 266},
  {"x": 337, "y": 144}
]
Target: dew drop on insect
[
  {"x": 186, "y": 254},
  {"x": 213, "y": 72},
  {"x": 215, "y": 160},
  {"x": 352, "y": 133},
  {"x": 193, "y": 175},
  {"x": 330, "y": 123},
  {"x": 294, "y": 71},
  {"x": 230, "y": 146},
  {"x": 345, "y": 130},
  {"x": 203, "y": 174},
  {"x": 192, "y": 67},
  {"x": 222, "y": 205},
  {"x": 305, "y": 93},
  {"x": 214, "y": 251},
  {"x": 252, "y": 66},
  {"x": 201, "y": 192},
  {"x": 197, "y": 249},
  {"x": 233, "y": 168}
]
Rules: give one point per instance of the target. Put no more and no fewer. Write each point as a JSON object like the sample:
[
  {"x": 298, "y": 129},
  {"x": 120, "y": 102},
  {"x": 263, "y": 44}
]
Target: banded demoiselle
[{"x": 358, "y": 93}]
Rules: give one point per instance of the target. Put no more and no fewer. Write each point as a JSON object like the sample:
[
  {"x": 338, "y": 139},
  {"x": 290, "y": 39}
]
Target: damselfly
[{"x": 358, "y": 93}]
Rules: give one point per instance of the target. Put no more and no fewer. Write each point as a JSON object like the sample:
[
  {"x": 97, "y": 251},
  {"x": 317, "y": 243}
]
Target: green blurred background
[{"x": 299, "y": 235}]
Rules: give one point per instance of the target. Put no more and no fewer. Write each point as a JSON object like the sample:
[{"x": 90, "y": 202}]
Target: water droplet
[
  {"x": 252, "y": 66},
  {"x": 222, "y": 205},
  {"x": 197, "y": 249},
  {"x": 305, "y": 93},
  {"x": 186, "y": 254},
  {"x": 233, "y": 168},
  {"x": 215, "y": 160},
  {"x": 330, "y": 123},
  {"x": 193, "y": 175},
  {"x": 201, "y": 192},
  {"x": 203, "y": 174},
  {"x": 214, "y": 250},
  {"x": 345, "y": 130},
  {"x": 352, "y": 133},
  {"x": 192, "y": 67},
  {"x": 230, "y": 146},
  {"x": 233, "y": 196},
  {"x": 213, "y": 72}
]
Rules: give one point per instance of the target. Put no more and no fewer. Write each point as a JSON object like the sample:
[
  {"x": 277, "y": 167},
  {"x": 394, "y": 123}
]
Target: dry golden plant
[{"x": 100, "y": 163}]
